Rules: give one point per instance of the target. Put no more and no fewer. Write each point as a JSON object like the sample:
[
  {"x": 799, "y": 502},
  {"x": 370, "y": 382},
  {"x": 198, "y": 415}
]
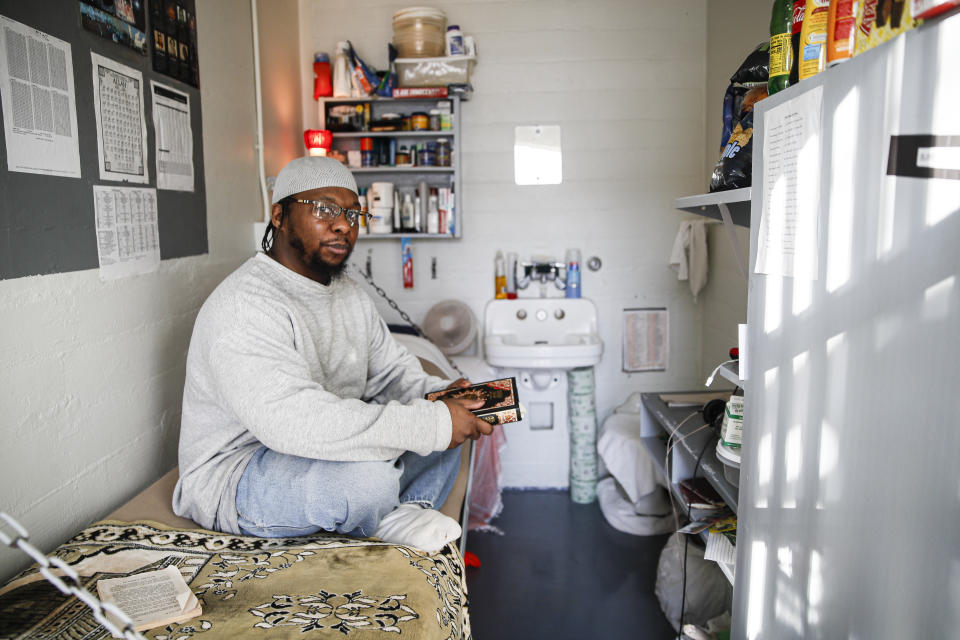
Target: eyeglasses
[{"x": 328, "y": 212}]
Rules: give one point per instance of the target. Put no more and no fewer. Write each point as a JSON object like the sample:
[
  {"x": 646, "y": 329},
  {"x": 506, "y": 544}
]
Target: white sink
[{"x": 541, "y": 333}]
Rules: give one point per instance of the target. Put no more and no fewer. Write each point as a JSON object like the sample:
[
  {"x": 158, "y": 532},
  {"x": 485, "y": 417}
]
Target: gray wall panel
[{"x": 49, "y": 221}]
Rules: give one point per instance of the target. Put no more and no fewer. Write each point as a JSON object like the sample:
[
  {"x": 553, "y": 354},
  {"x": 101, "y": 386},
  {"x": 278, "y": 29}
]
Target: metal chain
[
  {"x": 406, "y": 318},
  {"x": 69, "y": 585}
]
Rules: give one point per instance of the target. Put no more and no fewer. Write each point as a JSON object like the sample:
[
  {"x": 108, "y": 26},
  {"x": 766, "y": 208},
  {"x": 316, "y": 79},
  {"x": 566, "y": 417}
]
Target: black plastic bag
[
  {"x": 734, "y": 169},
  {"x": 755, "y": 69}
]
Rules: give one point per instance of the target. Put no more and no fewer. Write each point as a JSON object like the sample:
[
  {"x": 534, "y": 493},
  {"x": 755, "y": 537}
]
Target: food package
[
  {"x": 752, "y": 72},
  {"x": 881, "y": 20},
  {"x": 923, "y": 9},
  {"x": 733, "y": 170}
]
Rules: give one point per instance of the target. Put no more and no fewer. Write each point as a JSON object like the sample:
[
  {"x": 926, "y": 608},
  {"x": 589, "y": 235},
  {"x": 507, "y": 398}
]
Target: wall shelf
[
  {"x": 412, "y": 236},
  {"x": 708, "y": 204},
  {"x": 406, "y": 179},
  {"x": 657, "y": 416},
  {"x": 395, "y": 134},
  {"x": 731, "y": 371},
  {"x": 389, "y": 169}
]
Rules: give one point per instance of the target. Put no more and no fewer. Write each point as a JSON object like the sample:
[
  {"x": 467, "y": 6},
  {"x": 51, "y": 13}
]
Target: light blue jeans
[{"x": 282, "y": 495}]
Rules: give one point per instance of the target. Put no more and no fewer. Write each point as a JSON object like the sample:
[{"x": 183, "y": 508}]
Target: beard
[{"x": 317, "y": 263}]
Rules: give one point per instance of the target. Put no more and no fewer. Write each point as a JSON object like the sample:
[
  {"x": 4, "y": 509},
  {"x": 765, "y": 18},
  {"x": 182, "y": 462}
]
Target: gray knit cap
[{"x": 312, "y": 172}]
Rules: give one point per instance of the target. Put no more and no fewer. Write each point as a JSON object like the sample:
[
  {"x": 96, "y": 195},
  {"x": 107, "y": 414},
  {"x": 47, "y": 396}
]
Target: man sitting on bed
[{"x": 300, "y": 411}]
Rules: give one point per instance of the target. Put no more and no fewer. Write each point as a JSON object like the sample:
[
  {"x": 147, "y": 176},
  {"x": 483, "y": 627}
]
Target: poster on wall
[
  {"x": 39, "y": 102},
  {"x": 173, "y": 138},
  {"x": 128, "y": 238},
  {"x": 173, "y": 26},
  {"x": 123, "y": 21},
  {"x": 646, "y": 340},
  {"x": 121, "y": 125}
]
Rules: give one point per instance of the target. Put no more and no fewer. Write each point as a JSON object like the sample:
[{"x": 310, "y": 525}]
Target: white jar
[{"x": 454, "y": 41}]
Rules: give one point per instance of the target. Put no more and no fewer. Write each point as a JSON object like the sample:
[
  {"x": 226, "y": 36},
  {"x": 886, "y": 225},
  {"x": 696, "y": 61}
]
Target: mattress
[{"x": 326, "y": 585}]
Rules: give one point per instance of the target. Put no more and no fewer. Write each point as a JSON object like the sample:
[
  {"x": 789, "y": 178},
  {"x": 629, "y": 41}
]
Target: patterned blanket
[{"x": 322, "y": 585}]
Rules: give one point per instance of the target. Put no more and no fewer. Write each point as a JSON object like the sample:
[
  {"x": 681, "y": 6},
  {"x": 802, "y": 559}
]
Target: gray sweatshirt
[{"x": 279, "y": 360}]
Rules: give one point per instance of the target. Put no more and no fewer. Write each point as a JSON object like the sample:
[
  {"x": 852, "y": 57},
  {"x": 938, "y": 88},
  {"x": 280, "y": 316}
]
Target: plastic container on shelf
[
  {"x": 434, "y": 72},
  {"x": 730, "y": 458},
  {"x": 419, "y": 32}
]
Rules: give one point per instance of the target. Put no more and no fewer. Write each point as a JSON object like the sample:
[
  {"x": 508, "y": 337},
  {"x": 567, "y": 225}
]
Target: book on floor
[
  {"x": 151, "y": 599},
  {"x": 501, "y": 403}
]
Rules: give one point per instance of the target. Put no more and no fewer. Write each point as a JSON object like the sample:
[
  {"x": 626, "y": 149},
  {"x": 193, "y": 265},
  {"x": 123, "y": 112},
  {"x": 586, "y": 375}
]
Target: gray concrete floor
[{"x": 562, "y": 572}]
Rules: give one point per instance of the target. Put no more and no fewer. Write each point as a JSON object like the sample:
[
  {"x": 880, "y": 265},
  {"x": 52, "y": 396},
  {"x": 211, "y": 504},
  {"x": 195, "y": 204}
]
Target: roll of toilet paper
[
  {"x": 580, "y": 381},
  {"x": 583, "y": 492},
  {"x": 582, "y": 411},
  {"x": 581, "y": 406}
]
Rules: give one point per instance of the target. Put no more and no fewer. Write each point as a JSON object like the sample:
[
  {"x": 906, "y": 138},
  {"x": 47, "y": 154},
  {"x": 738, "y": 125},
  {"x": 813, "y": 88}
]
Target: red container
[
  {"x": 322, "y": 86},
  {"x": 366, "y": 144}
]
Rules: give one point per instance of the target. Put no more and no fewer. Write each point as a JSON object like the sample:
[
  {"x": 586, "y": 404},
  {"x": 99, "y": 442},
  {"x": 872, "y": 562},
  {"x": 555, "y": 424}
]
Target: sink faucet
[{"x": 544, "y": 270}]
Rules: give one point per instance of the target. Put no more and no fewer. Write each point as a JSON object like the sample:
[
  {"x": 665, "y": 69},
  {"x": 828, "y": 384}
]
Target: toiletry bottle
[
  {"x": 407, "y": 219},
  {"x": 433, "y": 212},
  {"x": 362, "y": 224},
  {"x": 499, "y": 277},
  {"x": 322, "y": 85},
  {"x": 511, "y": 276},
  {"x": 573, "y": 273}
]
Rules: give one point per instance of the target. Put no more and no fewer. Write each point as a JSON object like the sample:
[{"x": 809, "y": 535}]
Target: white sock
[{"x": 413, "y": 525}]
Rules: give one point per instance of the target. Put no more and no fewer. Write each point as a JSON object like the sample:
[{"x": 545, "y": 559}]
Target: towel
[{"x": 689, "y": 254}]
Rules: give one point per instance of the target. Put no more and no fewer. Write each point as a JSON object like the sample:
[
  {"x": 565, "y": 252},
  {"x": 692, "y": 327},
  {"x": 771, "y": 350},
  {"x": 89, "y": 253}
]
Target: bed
[{"x": 326, "y": 585}]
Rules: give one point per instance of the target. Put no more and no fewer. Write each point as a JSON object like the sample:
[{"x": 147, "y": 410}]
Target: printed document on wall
[
  {"x": 645, "y": 340},
  {"x": 128, "y": 239},
  {"x": 790, "y": 215},
  {"x": 39, "y": 102},
  {"x": 174, "y": 139},
  {"x": 121, "y": 125}
]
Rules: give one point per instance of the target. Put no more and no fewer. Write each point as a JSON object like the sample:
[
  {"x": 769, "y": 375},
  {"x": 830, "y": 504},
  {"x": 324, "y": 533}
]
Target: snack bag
[
  {"x": 734, "y": 169},
  {"x": 881, "y": 20}
]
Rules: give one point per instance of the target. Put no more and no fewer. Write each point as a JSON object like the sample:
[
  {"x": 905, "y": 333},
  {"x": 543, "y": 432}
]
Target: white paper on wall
[
  {"x": 174, "y": 138},
  {"x": 790, "y": 214},
  {"x": 646, "y": 339},
  {"x": 121, "y": 124},
  {"x": 39, "y": 102},
  {"x": 128, "y": 238}
]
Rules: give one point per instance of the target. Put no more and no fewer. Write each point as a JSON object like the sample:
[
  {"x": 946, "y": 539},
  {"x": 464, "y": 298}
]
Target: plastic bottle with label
[
  {"x": 322, "y": 86},
  {"x": 454, "y": 41},
  {"x": 781, "y": 47},
  {"x": 499, "y": 277},
  {"x": 813, "y": 38},
  {"x": 407, "y": 213},
  {"x": 799, "y": 7},
  {"x": 362, "y": 199},
  {"x": 433, "y": 211},
  {"x": 342, "y": 85},
  {"x": 731, "y": 431},
  {"x": 572, "y": 289}
]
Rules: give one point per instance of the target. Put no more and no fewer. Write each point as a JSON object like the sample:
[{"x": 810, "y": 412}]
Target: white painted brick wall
[
  {"x": 92, "y": 375},
  {"x": 734, "y": 28},
  {"x": 625, "y": 81}
]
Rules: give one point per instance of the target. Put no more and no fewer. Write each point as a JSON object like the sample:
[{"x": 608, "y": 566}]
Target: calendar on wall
[{"x": 121, "y": 125}]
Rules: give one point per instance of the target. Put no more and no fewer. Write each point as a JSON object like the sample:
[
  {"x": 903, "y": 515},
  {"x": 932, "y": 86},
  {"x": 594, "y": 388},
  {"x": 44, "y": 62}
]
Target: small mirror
[{"x": 537, "y": 157}]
